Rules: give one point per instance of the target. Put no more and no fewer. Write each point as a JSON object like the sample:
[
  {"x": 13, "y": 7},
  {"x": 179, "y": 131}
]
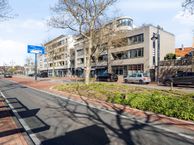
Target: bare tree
[
  {"x": 5, "y": 10},
  {"x": 83, "y": 17},
  {"x": 189, "y": 6},
  {"x": 103, "y": 42},
  {"x": 52, "y": 56}
]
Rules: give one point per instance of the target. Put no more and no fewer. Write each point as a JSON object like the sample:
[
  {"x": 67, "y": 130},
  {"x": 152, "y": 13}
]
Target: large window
[
  {"x": 128, "y": 69},
  {"x": 134, "y": 53},
  {"x": 120, "y": 43},
  {"x": 80, "y": 52},
  {"x": 134, "y": 68},
  {"x": 103, "y": 58},
  {"x": 120, "y": 55},
  {"x": 80, "y": 61},
  {"x": 124, "y": 22},
  {"x": 62, "y": 42},
  {"x": 118, "y": 70},
  {"x": 61, "y": 63},
  {"x": 136, "y": 39}
]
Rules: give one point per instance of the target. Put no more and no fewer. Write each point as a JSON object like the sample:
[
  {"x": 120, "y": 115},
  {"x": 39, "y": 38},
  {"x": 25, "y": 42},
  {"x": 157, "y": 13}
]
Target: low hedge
[
  {"x": 178, "y": 107},
  {"x": 171, "y": 103}
]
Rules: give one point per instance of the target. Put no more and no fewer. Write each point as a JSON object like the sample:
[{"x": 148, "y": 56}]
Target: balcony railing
[{"x": 181, "y": 62}]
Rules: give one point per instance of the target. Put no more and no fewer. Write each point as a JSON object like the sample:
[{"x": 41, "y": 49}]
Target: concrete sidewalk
[
  {"x": 179, "y": 126},
  {"x": 11, "y": 133}
]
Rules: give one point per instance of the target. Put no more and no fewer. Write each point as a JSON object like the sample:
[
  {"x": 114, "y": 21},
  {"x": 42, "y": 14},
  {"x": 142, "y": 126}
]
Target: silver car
[{"x": 140, "y": 78}]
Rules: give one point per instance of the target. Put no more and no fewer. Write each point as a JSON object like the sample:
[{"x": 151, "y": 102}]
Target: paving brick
[{"x": 10, "y": 134}]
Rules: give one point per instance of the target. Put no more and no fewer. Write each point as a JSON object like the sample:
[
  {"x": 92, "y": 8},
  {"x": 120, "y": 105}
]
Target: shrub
[{"x": 171, "y": 103}]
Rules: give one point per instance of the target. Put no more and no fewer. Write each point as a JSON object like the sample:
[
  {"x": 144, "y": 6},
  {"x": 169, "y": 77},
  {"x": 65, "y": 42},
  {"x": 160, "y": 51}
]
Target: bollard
[{"x": 171, "y": 86}]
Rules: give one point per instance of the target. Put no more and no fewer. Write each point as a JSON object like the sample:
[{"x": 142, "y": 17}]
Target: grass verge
[{"x": 170, "y": 103}]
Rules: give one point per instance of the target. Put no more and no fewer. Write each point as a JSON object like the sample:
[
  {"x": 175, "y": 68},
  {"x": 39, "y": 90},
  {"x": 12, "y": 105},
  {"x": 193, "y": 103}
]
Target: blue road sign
[{"x": 36, "y": 49}]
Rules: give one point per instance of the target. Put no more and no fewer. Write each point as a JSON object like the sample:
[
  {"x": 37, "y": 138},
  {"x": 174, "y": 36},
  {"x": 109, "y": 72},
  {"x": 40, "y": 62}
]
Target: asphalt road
[{"x": 56, "y": 121}]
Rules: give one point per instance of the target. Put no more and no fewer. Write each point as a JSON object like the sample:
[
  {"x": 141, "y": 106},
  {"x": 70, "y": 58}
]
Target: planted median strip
[{"x": 171, "y": 103}]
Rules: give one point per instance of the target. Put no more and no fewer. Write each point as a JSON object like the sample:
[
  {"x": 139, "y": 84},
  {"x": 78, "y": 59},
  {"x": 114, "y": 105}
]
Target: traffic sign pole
[
  {"x": 36, "y": 50},
  {"x": 35, "y": 66}
]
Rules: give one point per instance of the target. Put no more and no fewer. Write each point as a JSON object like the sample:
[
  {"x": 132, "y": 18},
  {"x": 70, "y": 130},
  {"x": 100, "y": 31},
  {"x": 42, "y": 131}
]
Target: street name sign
[{"x": 35, "y": 49}]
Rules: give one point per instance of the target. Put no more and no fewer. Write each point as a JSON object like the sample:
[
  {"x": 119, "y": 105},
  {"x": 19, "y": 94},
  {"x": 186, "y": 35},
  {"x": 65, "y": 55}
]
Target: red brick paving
[{"x": 7, "y": 124}]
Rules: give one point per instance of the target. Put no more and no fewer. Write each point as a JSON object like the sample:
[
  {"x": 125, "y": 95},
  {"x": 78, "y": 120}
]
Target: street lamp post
[
  {"x": 156, "y": 36},
  {"x": 192, "y": 61}
]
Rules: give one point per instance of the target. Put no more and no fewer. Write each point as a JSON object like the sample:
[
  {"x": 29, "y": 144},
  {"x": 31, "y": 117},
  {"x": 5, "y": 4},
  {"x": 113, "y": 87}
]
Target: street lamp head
[
  {"x": 158, "y": 26},
  {"x": 154, "y": 37}
]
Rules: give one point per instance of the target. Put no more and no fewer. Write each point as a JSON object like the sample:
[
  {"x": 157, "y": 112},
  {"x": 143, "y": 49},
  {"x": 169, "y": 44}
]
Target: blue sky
[{"x": 29, "y": 27}]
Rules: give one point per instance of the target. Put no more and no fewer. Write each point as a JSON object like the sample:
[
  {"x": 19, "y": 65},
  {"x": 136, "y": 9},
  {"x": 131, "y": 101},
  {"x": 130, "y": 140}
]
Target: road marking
[
  {"x": 108, "y": 111},
  {"x": 22, "y": 122},
  {"x": 186, "y": 136}
]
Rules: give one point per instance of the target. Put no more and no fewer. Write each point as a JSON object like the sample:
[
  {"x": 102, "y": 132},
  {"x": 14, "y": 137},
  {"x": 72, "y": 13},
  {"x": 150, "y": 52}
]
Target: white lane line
[
  {"x": 186, "y": 136},
  {"x": 109, "y": 111},
  {"x": 22, "y": 122}
]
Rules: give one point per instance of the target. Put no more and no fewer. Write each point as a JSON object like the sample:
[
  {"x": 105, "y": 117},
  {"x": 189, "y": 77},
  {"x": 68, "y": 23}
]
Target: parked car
[
  {"x": 43, "y": 75},
  {"x": 182, "y": 78},
  {"x": 140, "y": 78},
  {"x": 7, "y": 75},
  {"x": 110, "y": 77},
  {"x": 31, "y": 75}
]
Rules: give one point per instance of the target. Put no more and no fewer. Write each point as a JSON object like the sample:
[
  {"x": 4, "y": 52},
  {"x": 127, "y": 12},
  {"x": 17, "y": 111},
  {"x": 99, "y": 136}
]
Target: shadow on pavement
[
  {"x": 6, "y": 113},
  {"x": 11, "y": 86},
  {"x": 102, "y": 130},
  {"x": 11, "y": 132},
  {"x": 6, "y": 127},
  {"x": 35, "y": 124},
  {"x": 128, "y": 131},
  {"x": 92, "y": 135},
  {"x": 29, "y": 116}
]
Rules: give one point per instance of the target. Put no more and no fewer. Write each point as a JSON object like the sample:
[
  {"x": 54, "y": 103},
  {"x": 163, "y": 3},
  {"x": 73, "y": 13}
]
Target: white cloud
[
  {"x": 28, "y": 24},
  {"x": 33, "y": 24},
  {"x": 184, "y": 18},
  {"x": 17, "y": 34},
  {"x": 12, "y": 51},
  {"x": 185, "y": 39}
]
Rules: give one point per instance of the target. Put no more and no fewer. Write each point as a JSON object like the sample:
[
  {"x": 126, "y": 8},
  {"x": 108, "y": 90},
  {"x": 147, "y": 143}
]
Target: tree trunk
[
  {"x": 88, "y": 63},
  {"x": 109, "y": 68},
  {"x": 53, "y": 72},
  {"x": 87, "y": 75}
]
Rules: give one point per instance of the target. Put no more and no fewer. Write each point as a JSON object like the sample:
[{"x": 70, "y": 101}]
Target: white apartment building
[
  {"x": 59, "y": 57},
  {"x": 127, "y": 49},
  {"x": 29, "y": 66},
  {"x": 131, "y": 49},
  {"x": 42, "y": 63}
]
